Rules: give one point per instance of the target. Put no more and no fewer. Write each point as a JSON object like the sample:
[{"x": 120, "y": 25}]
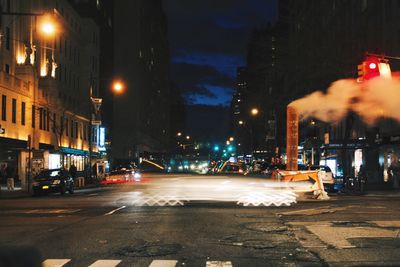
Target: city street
[{"x": 189, "y": 220}]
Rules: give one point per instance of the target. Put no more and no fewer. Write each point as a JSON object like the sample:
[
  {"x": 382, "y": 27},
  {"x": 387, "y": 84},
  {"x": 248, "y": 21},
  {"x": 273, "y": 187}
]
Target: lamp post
[
  {"x": 118, "y": 86},
  {"x": 250, "y": 129}
]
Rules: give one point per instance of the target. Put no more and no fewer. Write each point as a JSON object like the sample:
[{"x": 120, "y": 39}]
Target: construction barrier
[{"x": 317, "y": 186}]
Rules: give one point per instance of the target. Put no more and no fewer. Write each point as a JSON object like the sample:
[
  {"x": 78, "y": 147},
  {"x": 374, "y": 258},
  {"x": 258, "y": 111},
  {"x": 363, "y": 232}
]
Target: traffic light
[
  {"x": 373, "y": 67},
  {"x": 216, "y": 148}
]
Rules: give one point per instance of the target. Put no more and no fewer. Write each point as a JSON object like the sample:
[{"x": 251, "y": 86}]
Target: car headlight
[
  {"x": 57, "y": 181},
  {"x": 137, "y": 176}
]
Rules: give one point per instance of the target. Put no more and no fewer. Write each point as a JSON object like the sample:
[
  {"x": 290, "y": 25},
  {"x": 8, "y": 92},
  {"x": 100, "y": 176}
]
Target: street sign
[{"x": 2, "y": 130}]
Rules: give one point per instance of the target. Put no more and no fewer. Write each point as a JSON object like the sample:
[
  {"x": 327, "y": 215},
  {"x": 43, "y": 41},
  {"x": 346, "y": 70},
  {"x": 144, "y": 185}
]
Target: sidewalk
[{"x": 20, "y": 193}]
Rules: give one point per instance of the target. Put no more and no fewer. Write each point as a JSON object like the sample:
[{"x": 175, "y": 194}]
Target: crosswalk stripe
[
  {"x": 105, "y": 263},
  {"x": 218, "y": 264},
  {"x": 163, "y": 263},
  {"x": 55, "y": 262}
]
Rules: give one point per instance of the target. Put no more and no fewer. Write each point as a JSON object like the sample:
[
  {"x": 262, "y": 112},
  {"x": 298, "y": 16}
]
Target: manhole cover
[
  {"x": 150, "y": 250},
  {"x": 267, "y": 228}
]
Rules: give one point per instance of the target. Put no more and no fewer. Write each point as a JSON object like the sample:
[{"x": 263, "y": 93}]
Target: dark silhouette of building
[
  {"x": 317, "y": 43},
  {"x": 142, "y": 60}
]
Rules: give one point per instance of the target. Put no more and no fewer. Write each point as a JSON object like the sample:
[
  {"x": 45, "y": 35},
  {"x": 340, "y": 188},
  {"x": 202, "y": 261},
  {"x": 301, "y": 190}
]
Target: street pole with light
[
  {"x": 118, "y": 87},
  {"x": 250, "y": 130}
]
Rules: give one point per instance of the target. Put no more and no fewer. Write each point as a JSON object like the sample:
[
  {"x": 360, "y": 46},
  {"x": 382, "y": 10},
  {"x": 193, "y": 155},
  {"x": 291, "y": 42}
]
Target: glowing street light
[
  {"x": 231, "y": 139},
  {"x": 48, "y": 28},
  {"x": 187, "y": 137},
  {"x": 254, "y": 111},
  {"x": 48, "y": 25},
  {"x": 241, "y": 122},
  {"x": 179, "y": 134},
  {"x": 118, "y": 87}
]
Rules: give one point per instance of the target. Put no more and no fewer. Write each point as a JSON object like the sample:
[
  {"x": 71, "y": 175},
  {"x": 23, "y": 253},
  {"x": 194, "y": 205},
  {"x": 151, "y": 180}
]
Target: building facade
[
  {"x": 142, "y": 112},
  {"x": 317, "y": 43},
  {"x": 45, "y": 86}
]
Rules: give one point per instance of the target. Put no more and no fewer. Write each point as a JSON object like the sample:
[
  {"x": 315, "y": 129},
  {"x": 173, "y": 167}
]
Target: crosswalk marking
[
  {"x": 55, "y": 262},
  {"x": 163, "y": 263},
  {"x": 114, "y": 263},
  {"x": 219, "y": 264},
  {"x": 105, "y": 263}
]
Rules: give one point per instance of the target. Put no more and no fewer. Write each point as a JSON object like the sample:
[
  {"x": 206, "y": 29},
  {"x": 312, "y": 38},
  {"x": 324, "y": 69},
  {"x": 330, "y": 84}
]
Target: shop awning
[{"x": 74, "y": 151}]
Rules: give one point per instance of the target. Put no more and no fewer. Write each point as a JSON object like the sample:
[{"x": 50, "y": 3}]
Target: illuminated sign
[{"x": 102, "y": 136}]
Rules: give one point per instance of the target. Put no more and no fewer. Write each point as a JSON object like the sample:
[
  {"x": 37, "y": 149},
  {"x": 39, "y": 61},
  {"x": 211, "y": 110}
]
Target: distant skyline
[{"x": 208, "y": 42}]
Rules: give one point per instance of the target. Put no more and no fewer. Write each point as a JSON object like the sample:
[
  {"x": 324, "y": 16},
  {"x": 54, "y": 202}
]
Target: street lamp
[
  {"x": 250, "y": 130},
  {"x": 254, "y": 111},
  {"x": 48, "y": 28},
  {"x": 118, "y": 86},
  {"x": 179, "y": 134}
]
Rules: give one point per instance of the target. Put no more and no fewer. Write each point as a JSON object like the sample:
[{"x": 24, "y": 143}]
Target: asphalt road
[{"x": 200, "y": 221}]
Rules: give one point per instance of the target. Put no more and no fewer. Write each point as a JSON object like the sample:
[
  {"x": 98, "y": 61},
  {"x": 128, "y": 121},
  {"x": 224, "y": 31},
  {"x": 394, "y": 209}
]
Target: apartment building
[{"x": 49, "y": 64}]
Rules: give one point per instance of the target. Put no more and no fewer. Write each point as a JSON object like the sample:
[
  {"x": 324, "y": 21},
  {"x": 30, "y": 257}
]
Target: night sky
[{"x": 208, "y": 41}]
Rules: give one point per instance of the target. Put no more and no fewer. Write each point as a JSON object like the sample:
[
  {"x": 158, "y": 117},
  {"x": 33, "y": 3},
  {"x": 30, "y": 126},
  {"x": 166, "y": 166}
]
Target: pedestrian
[
  {"x": 10, "y": 177},
  {"x": 362, "y": 178},
  {"x": 72, "y": 171},
  {"x": 395, "y": 171}
]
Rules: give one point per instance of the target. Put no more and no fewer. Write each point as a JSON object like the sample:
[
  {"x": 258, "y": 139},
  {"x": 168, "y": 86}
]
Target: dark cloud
[
  {"x": 190, "y": 74},
  {"x": 208, "y": 40}
]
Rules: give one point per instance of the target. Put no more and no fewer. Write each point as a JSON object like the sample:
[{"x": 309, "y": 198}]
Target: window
[
  {"x": 8, "y": 37},
  {"x": 33, "y": 116},
  {"x": 4, "y": 108},
  {"x": 54, "y": 122},
  {"x": 41, "y": 119},
  {"x": 23, "y": 107},
  {"x": 76, "y": 130},
  {"x": 7, "y": 68},
  {"x": 72, "y": 128},
  {"x": 65, "y": 75},
  {"x": 59, "y": 72},
  {"x": 14, "y": 110},
  {"x": 84, "y": 132},
  {"x": 48, "y": 120},
  {"x": 66, "y": 126}
]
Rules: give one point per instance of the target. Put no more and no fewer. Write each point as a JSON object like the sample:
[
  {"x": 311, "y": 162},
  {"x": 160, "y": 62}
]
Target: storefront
[
  {"x": 10, "y": 155},
  {"x": 79, "y": 158}
]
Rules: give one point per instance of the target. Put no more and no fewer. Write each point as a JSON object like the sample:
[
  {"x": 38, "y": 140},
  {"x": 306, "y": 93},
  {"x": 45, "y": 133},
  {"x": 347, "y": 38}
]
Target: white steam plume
[{"x": 371, "y": 100}]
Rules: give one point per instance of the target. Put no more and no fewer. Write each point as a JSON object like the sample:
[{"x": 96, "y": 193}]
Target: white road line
[
  {"x": 105, "y": 263},
  {"x": 218, "y": 264},
  {"x": 112, "y": 212},
  {"x": 163, "y": 263},
  {"x": 55, "y": 262}
]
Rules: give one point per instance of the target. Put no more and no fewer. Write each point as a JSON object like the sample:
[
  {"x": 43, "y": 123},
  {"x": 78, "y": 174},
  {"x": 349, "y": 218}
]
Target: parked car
[{"x": 53, "y": 180}]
